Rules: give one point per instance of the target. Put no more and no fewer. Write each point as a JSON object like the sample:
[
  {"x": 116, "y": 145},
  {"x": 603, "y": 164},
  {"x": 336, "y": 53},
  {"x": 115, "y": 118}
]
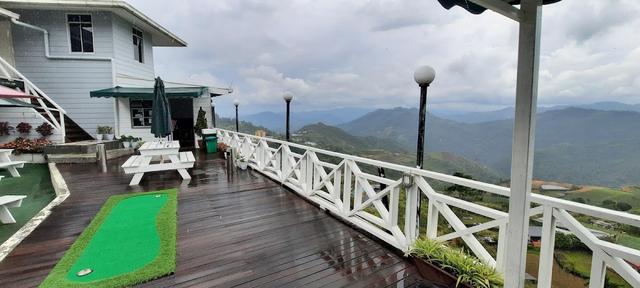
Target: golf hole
[{"x": 84, "y": 272}]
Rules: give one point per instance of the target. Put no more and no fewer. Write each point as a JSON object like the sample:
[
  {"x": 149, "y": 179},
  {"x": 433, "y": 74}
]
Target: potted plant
[
  {"x": 101, "y": 130},
  {"x": 126, "y": 141},
  {"x": 452, "y": 267},
  {"x": 136, "y": 142},
  {"x": 45, "y": 130},
  {"x": 24, "y": 128},
  {"x": 242, "y": 162},
  {"x": 201, "y": 123},
  {"x": 5, "y": 128},
  {"x": 108, "y": 135}
]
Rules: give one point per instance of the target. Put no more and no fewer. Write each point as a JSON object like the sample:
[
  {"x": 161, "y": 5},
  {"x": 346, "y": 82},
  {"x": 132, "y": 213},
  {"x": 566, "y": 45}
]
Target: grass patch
[
  {"x": 119, "y": 238},
  {"x": 579, "y": 263},
  {"x": 35, "y": 183}
]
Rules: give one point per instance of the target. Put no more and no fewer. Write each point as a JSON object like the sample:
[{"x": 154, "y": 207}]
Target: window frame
[
  {"x": 93, "y": 32},
  {"x": 140, "y": 46},
  {"x": 131, "y": 114}
]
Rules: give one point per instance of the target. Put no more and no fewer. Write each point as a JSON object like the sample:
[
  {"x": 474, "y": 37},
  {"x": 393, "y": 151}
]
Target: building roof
[{"x": 160, "y": 35}]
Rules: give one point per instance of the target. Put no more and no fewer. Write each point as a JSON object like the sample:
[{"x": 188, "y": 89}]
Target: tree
[
  {"x": 201, "y": 122},
  {"x": 623, "y": 206}
]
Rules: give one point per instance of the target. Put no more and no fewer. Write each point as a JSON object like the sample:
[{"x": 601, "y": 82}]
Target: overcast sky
[{"x": 336, "y": 53}]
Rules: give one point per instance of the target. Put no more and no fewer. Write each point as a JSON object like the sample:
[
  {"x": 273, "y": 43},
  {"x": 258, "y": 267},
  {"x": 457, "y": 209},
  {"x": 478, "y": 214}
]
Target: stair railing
[
  {"x": 338, "y": 183},
  {"x": 58, "y": 123}
]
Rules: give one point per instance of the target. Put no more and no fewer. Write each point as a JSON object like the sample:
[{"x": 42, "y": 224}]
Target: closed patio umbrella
[{"x": 161, "y": 112}]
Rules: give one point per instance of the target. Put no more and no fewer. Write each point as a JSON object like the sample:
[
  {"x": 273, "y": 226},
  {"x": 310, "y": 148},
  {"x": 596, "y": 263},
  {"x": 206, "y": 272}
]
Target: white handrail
[{"x": 347, "y": 192}]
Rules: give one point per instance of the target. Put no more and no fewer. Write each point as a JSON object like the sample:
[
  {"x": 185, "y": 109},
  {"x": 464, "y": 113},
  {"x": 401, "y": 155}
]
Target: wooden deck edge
[{"x": 62, "y": 192}]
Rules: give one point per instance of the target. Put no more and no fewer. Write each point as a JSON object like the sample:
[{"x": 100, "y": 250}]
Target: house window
[
  {"x": 80, "y": 32},
  {"x": 141, "y": 113},
  {"x": 138, "y": 48}
]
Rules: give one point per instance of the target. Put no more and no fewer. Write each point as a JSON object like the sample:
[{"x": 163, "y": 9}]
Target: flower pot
[
  {"x": 99, "y": 137},
  {"x": 242, "y": 165},
  {"x": 126, "y": 144},
  {"x": 109, "y": 137},
  {"x": 435, "y": 274},
  {"x": 135, "y": 144}
]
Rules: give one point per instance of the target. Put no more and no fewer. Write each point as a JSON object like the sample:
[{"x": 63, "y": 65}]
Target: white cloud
[{"x": 363, "y": 52}]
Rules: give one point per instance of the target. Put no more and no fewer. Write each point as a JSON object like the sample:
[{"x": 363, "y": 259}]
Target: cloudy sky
[{"x": 336, "y": 53}]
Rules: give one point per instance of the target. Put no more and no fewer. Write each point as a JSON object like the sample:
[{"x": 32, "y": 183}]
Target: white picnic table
[
  {"x": 7, "y": 163},
  {"x": 162, "y": 150},
  {"x": 6, "y": 202}
]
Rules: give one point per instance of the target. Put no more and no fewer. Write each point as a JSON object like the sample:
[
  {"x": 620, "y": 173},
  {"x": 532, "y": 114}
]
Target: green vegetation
[
  {"x": 35, "y": 183},
  {"x": 628, "y": 200},
  {"x": 131, "y": 240},
  {"x": 468, "y": 269},
  {"x": 579, "y": 263}
]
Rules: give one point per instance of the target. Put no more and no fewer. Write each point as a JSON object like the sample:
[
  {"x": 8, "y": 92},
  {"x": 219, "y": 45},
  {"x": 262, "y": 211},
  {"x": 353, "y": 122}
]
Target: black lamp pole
[
  {"x": 287, "y": 98},
  {"x": 424, "y": 75},
  {"x": 421, "y": 125},
  {"x": 237, "y": 122}
]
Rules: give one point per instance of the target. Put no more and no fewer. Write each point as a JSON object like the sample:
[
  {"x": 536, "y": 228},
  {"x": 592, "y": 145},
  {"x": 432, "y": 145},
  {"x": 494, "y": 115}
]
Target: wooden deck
[{"x": 234, "y": 230}]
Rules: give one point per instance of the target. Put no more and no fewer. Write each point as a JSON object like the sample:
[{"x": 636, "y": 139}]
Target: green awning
[{"x": 147, "y": 93}]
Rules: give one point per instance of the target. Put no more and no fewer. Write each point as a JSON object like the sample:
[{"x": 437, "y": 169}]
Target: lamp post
[
  {"x": 287, "y": 98},
  {"x": 213, "y": 113},
  {"x": 237, "y": 103},
  {"x": 424, "y": 75}
]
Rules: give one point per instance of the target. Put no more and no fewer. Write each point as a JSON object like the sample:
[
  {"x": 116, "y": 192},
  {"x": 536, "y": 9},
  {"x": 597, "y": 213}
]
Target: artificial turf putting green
[{"x": 131, "y": 240}]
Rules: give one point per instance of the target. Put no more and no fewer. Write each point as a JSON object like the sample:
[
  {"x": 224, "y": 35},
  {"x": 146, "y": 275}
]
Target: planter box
[
  {"x": 29, "y": 157},
  {"x": 435, "y": 274}
]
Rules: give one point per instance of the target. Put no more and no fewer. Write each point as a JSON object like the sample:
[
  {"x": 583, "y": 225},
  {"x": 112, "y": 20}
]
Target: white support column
[
  {"x": 545, "y": 267},
  {"x": 523, "y": 142}
]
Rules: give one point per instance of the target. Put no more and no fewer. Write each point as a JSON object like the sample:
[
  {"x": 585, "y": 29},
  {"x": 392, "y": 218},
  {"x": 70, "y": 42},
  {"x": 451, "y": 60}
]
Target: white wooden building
[{"x": 65, "y": 49}]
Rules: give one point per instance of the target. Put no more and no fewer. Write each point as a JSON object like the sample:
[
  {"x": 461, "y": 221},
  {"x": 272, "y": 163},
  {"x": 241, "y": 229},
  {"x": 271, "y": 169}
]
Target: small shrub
[
  {"x": 105, "y": 130},
  {"x": 26, "y": 145},
  {"x": 45, "y": 129},
  {"x": 24, "y": 128},
  {"x": 5, "y": 128},
  {"x": 469, "y": 270},
  {"x": 623, "y": 206},
  {"x": 201, "y": 122}
]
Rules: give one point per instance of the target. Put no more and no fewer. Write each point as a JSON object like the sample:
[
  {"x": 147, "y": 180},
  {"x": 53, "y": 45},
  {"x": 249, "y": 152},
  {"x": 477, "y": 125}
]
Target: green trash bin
[{"x": 212, "y": 143}]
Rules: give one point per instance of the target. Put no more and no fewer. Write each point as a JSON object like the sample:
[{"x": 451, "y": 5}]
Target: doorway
[{"x": 182, "y": 117}]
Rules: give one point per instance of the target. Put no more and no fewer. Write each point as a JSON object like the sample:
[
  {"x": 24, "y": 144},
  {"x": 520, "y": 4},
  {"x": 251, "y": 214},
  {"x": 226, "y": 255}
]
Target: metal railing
[
  {"x": 347, "y": 192},
  {"x": 50, "y": 109}
]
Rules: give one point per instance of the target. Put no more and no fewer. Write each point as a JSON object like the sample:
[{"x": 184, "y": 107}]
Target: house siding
[
  {"x": 68, "y": 82},
  {"x": 15, "y": 115}
]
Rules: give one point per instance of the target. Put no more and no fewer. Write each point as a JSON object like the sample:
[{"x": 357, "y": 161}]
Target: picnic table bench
[
  {"x": 6, "y": 202},
  {"x": 7, "y": 163},
  {"x": 140, "y": 164}
]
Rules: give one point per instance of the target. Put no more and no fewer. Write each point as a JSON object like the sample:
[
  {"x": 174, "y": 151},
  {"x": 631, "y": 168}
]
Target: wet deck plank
[{"x": 234, "y": 230}]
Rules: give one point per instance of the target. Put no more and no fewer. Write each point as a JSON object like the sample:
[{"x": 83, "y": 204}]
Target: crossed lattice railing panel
[{"x": 387, "y": 208}]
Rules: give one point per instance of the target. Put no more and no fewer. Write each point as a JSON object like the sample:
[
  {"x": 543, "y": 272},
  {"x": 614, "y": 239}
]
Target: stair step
[
  {"x": 117, "y": 153},
  {"x": 81, "y": 147},
  {"x": 72, "y": 158}
]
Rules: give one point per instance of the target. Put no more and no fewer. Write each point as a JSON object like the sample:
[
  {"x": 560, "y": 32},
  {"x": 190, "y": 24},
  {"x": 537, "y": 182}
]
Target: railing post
[
  {"x": 598, "y": 272},
  {"x": 411, "y": 213},
  {"x": 545, "y": 268},
  {"x": 283, "y": 163},
  {"x": 432, "y": 220},
  {"x": 346, "y": 194},
  {"x": 308, "y": 178}
]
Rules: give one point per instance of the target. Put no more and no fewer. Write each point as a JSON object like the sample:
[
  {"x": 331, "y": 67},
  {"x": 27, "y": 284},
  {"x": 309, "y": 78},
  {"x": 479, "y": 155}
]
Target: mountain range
[
  {"x": 575, "y": 145},
  {"x": 275, "y": 121}
]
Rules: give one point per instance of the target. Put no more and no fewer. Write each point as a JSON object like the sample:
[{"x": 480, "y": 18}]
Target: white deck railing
[
  {"x": 9, "y": 72},
  {"x": 348, "y": 192}
]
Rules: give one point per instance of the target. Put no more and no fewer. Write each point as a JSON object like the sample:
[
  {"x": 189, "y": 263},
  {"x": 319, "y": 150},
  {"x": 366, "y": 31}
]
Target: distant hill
[
  {"x": 245, "y": 127},
  {"x": 575, "y": 145},
  {"x": 509, "y": 112},
  {"x": 276, "y": 121},
  {"x": 335, "y": 139}
]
